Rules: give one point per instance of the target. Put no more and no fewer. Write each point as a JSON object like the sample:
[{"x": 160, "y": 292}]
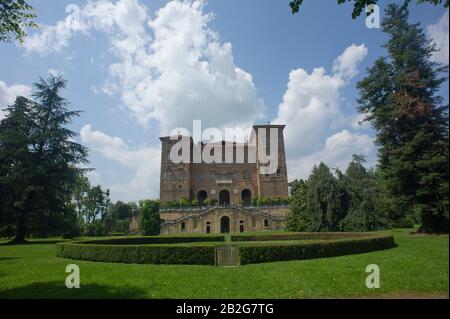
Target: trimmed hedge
[
  {"x": 154, "y": 240},
  {"x": 301, "y": 236},
  {"x": 139, "y": 254},
  {"x": 280, "y": 252}
]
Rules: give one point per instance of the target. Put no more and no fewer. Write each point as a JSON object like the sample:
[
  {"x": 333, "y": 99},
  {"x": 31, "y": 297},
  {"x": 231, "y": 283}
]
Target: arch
[
  {"x": 224, "y": 197},
  {"x": 201, "y": 196},
  {"x": 246, "y": 197},
  {"x": 225, "y": 224}
]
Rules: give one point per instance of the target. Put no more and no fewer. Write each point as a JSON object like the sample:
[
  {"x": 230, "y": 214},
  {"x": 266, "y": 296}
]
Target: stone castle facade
[{"x": 225, "y": 187}]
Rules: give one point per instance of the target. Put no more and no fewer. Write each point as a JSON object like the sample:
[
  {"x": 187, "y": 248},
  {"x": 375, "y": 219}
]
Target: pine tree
[
  {"x": 399, "y": 97},
  {"x": 40, "y": 187},
  {"x": 327, "y": 199},
  {"x": 298, "y": 218}
]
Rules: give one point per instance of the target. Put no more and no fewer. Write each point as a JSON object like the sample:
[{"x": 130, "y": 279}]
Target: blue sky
[{"x": 139, "y": 68}]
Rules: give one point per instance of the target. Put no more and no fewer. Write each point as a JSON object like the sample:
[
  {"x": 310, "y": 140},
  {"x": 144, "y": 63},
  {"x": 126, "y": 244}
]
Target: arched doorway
[
  {"x": 246, "y": 197},
  {"x": 201, "y": 196},
  {"x": 225, "y": 224},
  {"x": 224, "y": 197}
]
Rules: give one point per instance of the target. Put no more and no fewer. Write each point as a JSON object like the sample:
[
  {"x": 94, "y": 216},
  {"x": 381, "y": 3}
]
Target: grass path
[{"x": 418, "y": 267}]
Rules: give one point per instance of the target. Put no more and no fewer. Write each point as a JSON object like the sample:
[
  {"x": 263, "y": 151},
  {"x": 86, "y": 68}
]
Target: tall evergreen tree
[
  {"x": 327, "y": 199},
  {"x": 41, "y": 193},
  {"x": 399, "y": 97},
  {"x": 298, "y": 218}
]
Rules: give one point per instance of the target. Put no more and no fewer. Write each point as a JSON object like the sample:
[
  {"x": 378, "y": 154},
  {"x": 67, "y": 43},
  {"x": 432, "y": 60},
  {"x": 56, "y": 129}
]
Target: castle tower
[
  {"x": 272, "y": 184},
  {"x": 175, "y": 177}
]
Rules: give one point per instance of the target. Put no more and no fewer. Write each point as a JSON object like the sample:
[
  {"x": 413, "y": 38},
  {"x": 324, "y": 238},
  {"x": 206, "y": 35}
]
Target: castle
[{"x": 224, "y": 190}]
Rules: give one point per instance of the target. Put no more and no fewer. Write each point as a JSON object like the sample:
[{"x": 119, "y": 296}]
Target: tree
[
  {"x": 298, "y": 218},
  {"x": 15, "y": 16},
  {"x": 150, "y": 220},
  {"x": 39, "y": 160},
  {"x": 327, "y": 200},
  {"x": 16, "y": 166},
  {"x": 360, "y": 5},
  {"x": 365, "y": 213},
  {"x": 121, "y": 210},
  {"x": 399, "y": 98}
]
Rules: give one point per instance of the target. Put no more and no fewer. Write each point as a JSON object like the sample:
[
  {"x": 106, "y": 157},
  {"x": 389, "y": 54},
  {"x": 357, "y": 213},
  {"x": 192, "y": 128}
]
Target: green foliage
[
  {"x": 155, "y": 240},
  {"x": 15, "y": 16},
  {"x": 399, "y": 98},
  {"x": 277, "y": 252},
  {"x": 39, "y": 161},
  {"x": 327, "y": 199},
  {"x": 140, "y": 254},
  {"x": 150, "y": 220},
  {"x": 360, "y": 5},
  {"x": 121, "y": 210},
  {"x": 298, "y": 218},
  {"x": 121, "y": 226}
]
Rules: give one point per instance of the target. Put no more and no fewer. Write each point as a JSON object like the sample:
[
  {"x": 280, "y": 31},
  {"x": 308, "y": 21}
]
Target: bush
[
  {"x": 153, "y": 240},
  {"x": 139, "y": 254},
  {"x": 280, "y": 252},
  {"x": 96, "y": 228},
  {"x": 121, "y": 226},
  {"x": 142, "y": 250},
  {"x": 300, "y": 236}
]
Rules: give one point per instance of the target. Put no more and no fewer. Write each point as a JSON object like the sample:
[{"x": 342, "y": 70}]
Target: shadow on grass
[
  {"x": 58, "y": 290},
  {"x": 33, "y": 242},
  {"x": 8, "y": 258}
]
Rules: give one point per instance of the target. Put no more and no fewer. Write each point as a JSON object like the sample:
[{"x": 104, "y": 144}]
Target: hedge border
[
  {"x": 252, "y": 254},
  {"x": 153, "y": 250},
  {"x": 138, "y": 254}
]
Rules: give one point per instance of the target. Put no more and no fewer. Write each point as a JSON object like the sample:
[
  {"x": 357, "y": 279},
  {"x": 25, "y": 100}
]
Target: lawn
[{"x": 417, "y": 267}]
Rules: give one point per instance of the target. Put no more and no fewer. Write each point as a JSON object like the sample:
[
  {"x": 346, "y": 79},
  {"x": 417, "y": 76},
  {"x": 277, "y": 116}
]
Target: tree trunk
[{"x": 21, "y": 230}]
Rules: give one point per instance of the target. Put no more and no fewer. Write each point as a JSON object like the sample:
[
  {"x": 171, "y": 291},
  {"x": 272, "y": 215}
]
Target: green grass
[{"x": 417, "y": 267}]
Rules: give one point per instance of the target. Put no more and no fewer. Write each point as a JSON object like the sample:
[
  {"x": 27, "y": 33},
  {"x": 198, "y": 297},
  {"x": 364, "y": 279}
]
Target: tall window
[
  {"x": 181, "y": 174},
  {"x": 278, "y": 171},
  {"x": 213, "y": 176},
  {"x": 245, "y": 175},
  {"x": 235, "y": 175},
  {"x": 169, "y": 174}
]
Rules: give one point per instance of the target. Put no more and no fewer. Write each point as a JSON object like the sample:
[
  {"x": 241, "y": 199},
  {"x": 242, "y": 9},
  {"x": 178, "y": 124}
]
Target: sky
[{"x": 140, "y": 68}]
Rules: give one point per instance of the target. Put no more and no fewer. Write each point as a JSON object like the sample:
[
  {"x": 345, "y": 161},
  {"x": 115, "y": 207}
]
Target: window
[
  {"x": 208, "y": 227},
  {"x": 180, "y": 187},
  {"x": 245, "y": 175},
  {"x": 183, "y": 225},
  {"x": 235, "y": 174},
  {"x": 181, "y": 174},
  {"x": 278, "y": 172},
  {"x": 169, "y": 174},
  {"x": 213, "y": 177},
  {"x": 241, "y": 226},
  {"x": 266, "y": 223}
]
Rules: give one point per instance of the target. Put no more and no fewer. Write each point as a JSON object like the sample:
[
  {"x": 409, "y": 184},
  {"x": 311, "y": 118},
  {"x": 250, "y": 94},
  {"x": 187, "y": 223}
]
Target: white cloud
[
  {"x": 179, "y": 73},
  {"x": 346, "y": 65},
  {"x": 144, "y": 161},
  {"x": 185, "y": 73},
  {"x": 9, "y": 93},
  {"x": 439, "y": 34},
  {"x": 311, "y": 108},
  {"x": 337, "y": 152}
]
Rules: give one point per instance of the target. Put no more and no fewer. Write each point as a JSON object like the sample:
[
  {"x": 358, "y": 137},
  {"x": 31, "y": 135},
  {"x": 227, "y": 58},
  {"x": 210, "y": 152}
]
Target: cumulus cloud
[
  {"x": 439, "y": 34},
  {"x": 171, "y": 69},
  {"x": 184, "y": 74},
  {"x": 311, "y": 108},
  {"x": 9, "y": 93},
  {"x": 144, "y": 161},
  {"x": 336, "y": 153},
  {"x": 346, "y": 65}
]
